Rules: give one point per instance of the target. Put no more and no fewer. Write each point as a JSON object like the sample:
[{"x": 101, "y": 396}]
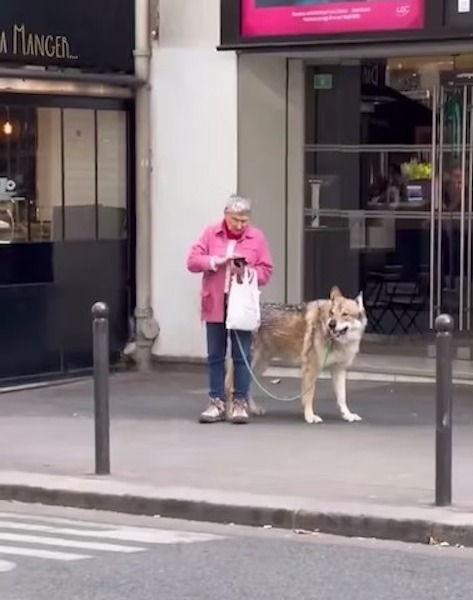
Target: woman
[
  {"x": 226, "y": 248},
  {"x": 454, "y": 185}
]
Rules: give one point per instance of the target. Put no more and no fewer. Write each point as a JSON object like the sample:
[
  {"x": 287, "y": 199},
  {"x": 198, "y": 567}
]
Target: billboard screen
[{"x": 267, "y": 18}]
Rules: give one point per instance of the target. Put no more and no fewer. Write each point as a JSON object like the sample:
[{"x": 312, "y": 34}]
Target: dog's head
[{"x": 344, "y": 319}]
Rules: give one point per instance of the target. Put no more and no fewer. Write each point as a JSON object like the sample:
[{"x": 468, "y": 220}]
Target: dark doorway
[{"x": 66, "y": 230}]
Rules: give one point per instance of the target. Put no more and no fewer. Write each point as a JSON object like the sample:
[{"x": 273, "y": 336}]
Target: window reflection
[
  {"x": 63, "y": 174},
  {"x": 388, "y": 190},
  {"x": 111, "y": 173},
  {"x": 49, "y": 175},
  {"x": 79, "y": 174}
]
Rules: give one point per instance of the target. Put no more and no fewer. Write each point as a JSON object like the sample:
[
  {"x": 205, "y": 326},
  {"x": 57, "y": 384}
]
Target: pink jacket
[{"x": 213, "y": 242}]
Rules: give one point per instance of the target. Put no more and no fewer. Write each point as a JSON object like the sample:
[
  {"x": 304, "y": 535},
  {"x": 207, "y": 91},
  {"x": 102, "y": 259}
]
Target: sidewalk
[{"x": 278, "y": 468}]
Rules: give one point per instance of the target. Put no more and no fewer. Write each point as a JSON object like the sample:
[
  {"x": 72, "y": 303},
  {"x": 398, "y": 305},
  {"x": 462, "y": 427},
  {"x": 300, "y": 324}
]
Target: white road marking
[
  {"x": 51, "y": 520},
  {"x": 26, "y": 536},
  {"x": 6, "y": 566},
  {"x": 63, "y": 543},
  {"x": 37, "y": 553},
  {"x": 128, "y": 534}
]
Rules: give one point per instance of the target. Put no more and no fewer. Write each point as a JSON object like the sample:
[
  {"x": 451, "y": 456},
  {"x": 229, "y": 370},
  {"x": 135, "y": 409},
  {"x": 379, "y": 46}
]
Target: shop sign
[
  {"x": 266, "y": 18},
  {"x": 87, "y": 34}
]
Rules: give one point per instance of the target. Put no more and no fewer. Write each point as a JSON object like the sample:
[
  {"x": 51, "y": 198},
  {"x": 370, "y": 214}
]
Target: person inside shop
[
  {"x": 451, "y": 203},
  {"x": 391, "y": 191}
]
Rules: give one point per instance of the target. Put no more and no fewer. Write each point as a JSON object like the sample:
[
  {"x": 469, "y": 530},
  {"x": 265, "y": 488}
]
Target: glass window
[
  {"x": 48, "y": 201},
  {"x": 17, "y": 171},
  {"x": 79, "y": 174},
  {"x": 63, "y": 174},
  {"x": 111, "y": 173},
  {"x": 368, "y": 191}
]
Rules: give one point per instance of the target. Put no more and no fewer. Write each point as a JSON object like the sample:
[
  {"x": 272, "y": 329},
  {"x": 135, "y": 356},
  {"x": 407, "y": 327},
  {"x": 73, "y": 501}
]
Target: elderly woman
[{"x": 224, "y": 249}]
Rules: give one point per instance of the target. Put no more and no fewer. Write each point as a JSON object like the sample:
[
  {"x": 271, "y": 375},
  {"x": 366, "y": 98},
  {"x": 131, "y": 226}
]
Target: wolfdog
[{"x": 314, "y": 335}]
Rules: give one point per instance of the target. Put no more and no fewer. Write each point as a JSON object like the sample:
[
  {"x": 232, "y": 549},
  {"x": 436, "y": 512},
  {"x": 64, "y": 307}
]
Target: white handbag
[{"x": 243, "y": 309}]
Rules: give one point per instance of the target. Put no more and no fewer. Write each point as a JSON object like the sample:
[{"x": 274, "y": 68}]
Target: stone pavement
[{"x": 383, "y": 466}]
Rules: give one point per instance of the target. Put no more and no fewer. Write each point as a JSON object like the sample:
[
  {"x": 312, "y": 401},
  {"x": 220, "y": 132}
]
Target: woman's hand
[{"x": 219, "y": 261}]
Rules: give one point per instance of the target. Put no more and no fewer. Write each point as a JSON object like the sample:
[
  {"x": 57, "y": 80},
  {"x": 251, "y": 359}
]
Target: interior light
[{"x": 7, "y": 128}]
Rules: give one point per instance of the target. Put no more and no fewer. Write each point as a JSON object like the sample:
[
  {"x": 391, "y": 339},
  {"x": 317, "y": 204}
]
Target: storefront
[
  {"x": 66, "y": 181},
  {"x": 387, "y": 154},
  {"x": 350, "y": 125}
]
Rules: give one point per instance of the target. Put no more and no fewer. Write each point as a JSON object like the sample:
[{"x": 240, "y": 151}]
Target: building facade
[
  {"x": 66, "y": 181},
  {"x": 350, "y": 124}
]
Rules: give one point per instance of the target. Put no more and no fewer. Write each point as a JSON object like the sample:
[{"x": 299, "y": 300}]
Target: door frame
[{"x": 449, "y": 292}]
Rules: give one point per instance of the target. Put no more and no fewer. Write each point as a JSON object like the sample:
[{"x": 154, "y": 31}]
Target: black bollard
[
  {"x": 444, "y": 395},
  {"x": 100, "y": 314}
]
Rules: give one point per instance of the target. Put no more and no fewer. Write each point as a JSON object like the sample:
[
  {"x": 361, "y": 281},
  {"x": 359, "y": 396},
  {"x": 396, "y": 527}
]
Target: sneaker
[
  {"x": 239, "y": 414},
  {"x": 214, "y": 412}
]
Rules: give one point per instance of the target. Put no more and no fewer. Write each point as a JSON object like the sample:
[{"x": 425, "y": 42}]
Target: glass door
[
  {"x": 452, "y": 207},
  {"x": 388, "y": 200}
]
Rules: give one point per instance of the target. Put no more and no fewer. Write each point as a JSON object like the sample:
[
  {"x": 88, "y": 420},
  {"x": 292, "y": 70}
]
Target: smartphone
[{"x": 239, "y": 261}]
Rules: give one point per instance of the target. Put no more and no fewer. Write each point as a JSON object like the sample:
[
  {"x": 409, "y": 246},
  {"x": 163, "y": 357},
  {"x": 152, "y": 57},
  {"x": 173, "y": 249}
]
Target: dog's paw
[
  {"x": 350, "y": 417},
  {"x": 257, "y": 411},
  {"x": 312, "y": 418}
]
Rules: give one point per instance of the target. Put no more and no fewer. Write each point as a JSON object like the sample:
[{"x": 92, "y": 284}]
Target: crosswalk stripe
[
  {"x": 125, "y": 534},
  {"x": 38, "y": 553},
  {"x": 23, "y": 535},
  {"x": 6, "y": 565},
  {"x": 63, "y": 543},
  {"x": 50, "y": 519}
]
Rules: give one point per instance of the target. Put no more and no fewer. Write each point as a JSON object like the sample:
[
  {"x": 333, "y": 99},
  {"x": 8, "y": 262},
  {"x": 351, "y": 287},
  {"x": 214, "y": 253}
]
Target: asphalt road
[{"x": 57, "y": 554}]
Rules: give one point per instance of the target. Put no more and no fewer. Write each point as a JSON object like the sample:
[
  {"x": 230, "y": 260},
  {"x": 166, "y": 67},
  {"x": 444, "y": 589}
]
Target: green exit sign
[{"x": 323, "y": 81}]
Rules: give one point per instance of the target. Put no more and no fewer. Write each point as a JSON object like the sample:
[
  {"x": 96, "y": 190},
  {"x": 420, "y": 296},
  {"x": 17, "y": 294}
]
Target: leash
[{"x": 328, "y": 349}]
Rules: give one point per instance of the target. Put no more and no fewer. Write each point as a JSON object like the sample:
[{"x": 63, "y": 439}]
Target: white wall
[
  {"x": 220, "y": 126},
  {"x": 262, "y": 152},
  {"x": 194, "y": 104},
  {"x": 270, "y": 161},
  {"x": 295, "y": 182}
]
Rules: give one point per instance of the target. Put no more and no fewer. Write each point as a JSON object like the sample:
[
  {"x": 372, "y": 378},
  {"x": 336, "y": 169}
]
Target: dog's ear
[
  {"x": 335, "y": 292},
  {"x": 359, "y": 301}
]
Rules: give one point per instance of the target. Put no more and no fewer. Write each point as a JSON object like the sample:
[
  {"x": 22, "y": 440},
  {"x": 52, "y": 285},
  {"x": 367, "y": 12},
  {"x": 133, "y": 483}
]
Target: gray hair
[{"x": 238, "y": 204}]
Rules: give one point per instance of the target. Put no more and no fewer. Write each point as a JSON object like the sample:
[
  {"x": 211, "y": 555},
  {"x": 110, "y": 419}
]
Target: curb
[{"x": 418, "y": 530}]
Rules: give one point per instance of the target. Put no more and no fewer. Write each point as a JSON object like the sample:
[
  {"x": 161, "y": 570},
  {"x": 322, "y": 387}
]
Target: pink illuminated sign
[{"x": 268, "y": 18}]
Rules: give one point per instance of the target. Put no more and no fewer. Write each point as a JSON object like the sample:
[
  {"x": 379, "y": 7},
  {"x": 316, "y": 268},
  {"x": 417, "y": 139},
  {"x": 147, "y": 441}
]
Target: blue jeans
[{"x": 217, "y": 338}]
